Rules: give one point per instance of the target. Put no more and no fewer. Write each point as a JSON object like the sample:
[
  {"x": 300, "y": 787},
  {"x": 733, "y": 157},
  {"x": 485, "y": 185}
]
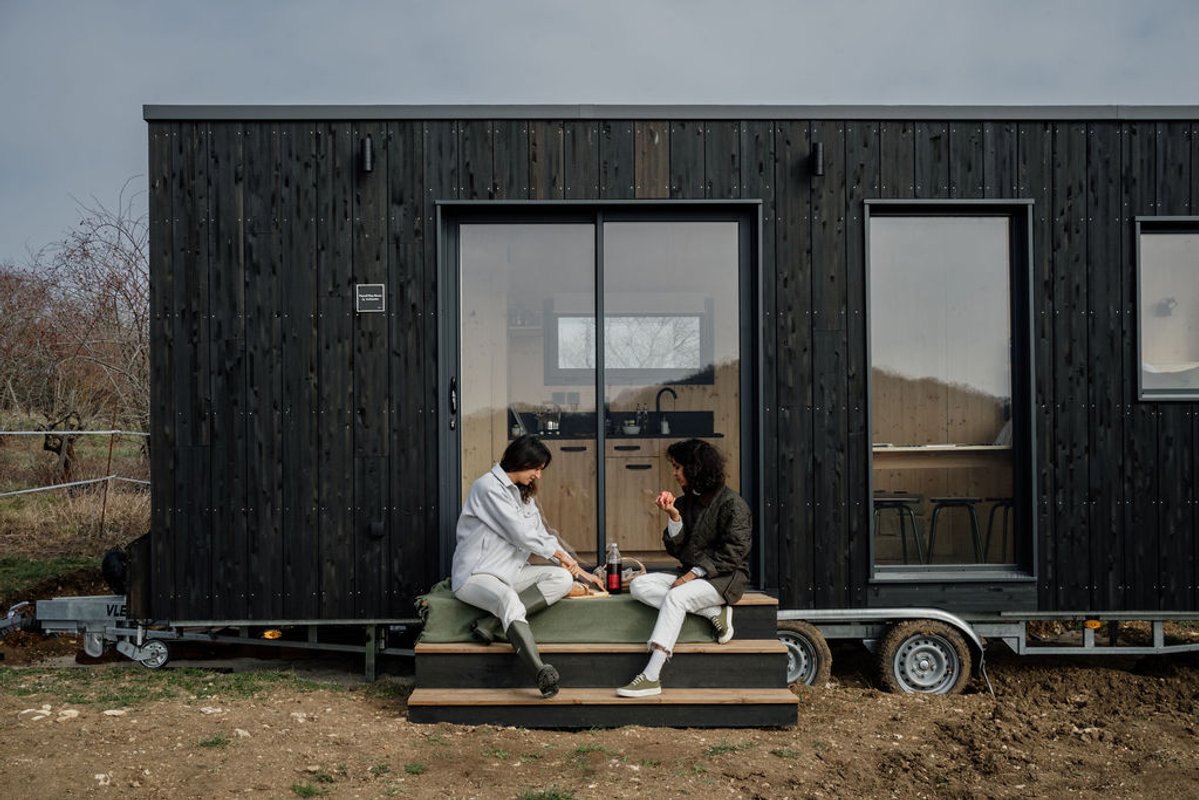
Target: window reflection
[
  {"x": 940, "y": 332},
  {"x": 1169, "y": 314}
]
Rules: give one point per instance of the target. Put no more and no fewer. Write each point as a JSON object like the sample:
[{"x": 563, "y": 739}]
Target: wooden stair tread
[
  {"x": 598, "y": 697},
  {"x": 599, "y": 649},
  {"x": 756, "y": 599}
]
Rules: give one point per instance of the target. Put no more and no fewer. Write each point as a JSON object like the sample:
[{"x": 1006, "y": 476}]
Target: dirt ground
[{"x": 1053, "y": 728}]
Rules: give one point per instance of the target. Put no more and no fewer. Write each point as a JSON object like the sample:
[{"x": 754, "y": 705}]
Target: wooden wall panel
[
  {"x": 441, "y": 182},
  {"x": 651, "y": 141},
  {"x": 1035, "y": 181},
  {"x": 1176, "y": 434},
  {"x": 582, "y": 160},
  {"x": 687, "y": 176},
  {"x": 476, "y": 161},
  {"x": 335, "y": 370},
  {"x": 547, "y": 157},
  {"x": 758, "y": 180},
  {"x": 830, "y": 391},
  {"x": 372, "y": 384},
  {"x": 162, "y": 362},
  {"x": 722, "y": 159},
  {"x": 413, "y": 545},
  {"x": 300, "y": 426},
  {"x": 228, "y": 368},
  {"x": 1141, "y": 484},
  {"x": 967, "y": 160},
  {"x": 510, "y": 138},
  {"x": 932, "y": 158},
  {"x": 863, "y": 180},
  {"x": 1071, "y": 539},
  {"x": 192, "y": 553},
  {"x": 1108, "y": 370},
  {"x": 792, "y": 481},
  {"x": 617, "y": 163}
]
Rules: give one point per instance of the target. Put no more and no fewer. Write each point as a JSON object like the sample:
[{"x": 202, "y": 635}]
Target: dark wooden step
[
  {"x": 587, "y": 708},
  {"x": 750, "y": 663}
]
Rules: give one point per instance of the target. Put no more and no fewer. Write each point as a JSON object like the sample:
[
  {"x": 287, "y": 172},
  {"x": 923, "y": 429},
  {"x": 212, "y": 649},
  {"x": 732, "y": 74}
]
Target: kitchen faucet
[{"x": 658, "y": 398}]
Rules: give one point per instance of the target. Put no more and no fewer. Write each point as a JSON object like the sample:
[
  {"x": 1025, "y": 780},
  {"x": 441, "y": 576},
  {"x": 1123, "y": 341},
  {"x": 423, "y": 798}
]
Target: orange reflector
[
  {"x": 1093, "y": 624},
  {"x": 273, "y": 633}
]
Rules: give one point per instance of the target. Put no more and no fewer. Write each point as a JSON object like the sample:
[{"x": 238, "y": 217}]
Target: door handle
[
  {"x": 578, "y": 449},
  {"x": 453, "y": 402},
  {"x": 638, "y": 466}
]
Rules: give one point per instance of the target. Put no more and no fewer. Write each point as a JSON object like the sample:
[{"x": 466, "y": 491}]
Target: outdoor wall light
[
  {"x": 368, "y": 154},
  {"x": 816, "y": 158}
]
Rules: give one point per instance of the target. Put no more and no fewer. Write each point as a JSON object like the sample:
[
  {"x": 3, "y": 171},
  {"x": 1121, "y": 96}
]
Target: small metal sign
[{"x": 370, "y": 297}]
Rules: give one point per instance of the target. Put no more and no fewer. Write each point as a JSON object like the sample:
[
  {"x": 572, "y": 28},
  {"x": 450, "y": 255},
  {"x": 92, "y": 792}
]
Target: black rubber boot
[
  {"x": 526, "y": 649},
  {"x": 533, "y": 601},
  {"x": 486, "y": 629}
]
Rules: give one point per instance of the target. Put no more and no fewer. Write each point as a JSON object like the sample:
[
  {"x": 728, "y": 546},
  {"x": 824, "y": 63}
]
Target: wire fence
[{"x": 106, "y": 479}]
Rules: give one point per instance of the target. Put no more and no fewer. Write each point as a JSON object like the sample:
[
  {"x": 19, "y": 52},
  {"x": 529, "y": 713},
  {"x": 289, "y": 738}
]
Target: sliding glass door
[{"x": 524, "y": 296}]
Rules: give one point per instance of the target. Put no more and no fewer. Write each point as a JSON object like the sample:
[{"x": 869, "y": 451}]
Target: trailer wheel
[
  {"x": 154, "y": 654},
  {"x": 809, "y": 660},
  {"x": 923, "y": 657}
]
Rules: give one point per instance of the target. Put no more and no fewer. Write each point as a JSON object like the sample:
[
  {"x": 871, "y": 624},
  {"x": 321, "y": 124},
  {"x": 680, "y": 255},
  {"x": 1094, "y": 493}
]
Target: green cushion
[{"x": 617, "y": 619}]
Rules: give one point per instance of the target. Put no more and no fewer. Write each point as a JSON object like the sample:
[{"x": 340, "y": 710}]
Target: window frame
[
  {"x": 1023, "y": 366},
  {"x": 1154, "y": 226}
]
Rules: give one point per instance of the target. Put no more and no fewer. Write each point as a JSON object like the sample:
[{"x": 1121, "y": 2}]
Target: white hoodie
[{"x": 497, "y": 532}]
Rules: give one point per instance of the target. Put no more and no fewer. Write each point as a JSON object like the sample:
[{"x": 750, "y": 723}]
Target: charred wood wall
[{"x": 294, "y": 443}]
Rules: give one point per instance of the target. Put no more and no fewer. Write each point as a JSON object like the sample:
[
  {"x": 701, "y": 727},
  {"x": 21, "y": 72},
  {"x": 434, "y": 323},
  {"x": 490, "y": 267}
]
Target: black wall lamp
[
  {"x": 368, "y": 154},
  {"x": 816, "y": 158}
]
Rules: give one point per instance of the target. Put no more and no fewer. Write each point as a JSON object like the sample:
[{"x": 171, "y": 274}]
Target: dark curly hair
[
  {"x": 703, "y": 464},
  {"x": 526, "y": 452}
]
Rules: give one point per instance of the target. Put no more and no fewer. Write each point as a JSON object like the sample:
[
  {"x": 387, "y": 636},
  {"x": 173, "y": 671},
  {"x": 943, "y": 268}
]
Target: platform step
[
  {"x": 748, "y": 663},
  {"x": 593, "y": 707}
]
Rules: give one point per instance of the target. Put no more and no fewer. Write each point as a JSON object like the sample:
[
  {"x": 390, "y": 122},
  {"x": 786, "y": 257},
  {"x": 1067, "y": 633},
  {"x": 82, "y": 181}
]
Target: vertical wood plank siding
[{"x": 294, "y": 443}]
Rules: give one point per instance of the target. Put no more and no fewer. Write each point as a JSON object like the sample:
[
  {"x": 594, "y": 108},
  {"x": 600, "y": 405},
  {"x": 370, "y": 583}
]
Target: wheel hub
[{"x": 926, "y": 664}]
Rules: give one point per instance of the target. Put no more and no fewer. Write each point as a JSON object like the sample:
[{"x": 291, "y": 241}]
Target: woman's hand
[
  {"x": 572, "y": 566},
  {"x": 665, "y": 501},
  {"x": 686, "y": 577}
]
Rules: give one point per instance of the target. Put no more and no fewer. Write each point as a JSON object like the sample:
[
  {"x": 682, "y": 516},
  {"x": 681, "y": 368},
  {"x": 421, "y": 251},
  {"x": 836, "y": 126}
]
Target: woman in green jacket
[{"x": 709, "y": 530}]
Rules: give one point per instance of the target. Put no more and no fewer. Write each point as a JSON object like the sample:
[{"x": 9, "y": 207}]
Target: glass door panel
[
  {"x": 510, "y": 275},
  {"x": 671, "y": 356}
]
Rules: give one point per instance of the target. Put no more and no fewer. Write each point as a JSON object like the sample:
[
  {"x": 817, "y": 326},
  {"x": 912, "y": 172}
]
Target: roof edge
[{"x": 216, "y": 113}]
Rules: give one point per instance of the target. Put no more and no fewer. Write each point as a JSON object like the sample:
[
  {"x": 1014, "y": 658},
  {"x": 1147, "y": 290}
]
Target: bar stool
[
  {"x": 901, "y": 503},
  {"x": 1005, "y": 506},
  {"x": 945, "y": 503}
]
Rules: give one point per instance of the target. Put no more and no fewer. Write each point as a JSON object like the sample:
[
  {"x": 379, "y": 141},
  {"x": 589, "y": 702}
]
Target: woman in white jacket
[{"x": 499, "y": 528}]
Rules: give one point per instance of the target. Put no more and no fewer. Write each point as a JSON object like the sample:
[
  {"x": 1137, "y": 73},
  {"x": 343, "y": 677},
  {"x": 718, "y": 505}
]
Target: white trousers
[
  {"x": 494, "y": 595},
  {"x": 695, "y": 596}
]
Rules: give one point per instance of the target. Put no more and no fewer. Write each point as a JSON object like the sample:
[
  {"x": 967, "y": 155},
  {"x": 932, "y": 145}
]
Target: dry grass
[{"x": 82, "y": 521}]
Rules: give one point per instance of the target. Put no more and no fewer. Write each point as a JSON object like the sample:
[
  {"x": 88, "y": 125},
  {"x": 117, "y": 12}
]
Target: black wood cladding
[{"x": 294, "y": 442}]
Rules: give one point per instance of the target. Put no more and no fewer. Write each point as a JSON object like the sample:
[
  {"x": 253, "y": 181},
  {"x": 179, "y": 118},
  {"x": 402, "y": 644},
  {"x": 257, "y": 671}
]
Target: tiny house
[{"x": 950, "y": 353}]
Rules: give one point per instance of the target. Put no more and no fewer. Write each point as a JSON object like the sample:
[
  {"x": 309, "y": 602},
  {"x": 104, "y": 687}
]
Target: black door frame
[{"x": 452, "y": 213}]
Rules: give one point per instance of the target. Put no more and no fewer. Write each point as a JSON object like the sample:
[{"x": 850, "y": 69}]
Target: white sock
[
  {"x": 711, "y": 613},
  {"x": 654, "y": 668}
]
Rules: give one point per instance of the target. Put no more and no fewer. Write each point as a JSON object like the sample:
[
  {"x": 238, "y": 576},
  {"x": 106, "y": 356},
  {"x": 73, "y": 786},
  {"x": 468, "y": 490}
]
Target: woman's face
[
  {"x": 676, "y": 469},
  {"x": 525, "y": 477}
]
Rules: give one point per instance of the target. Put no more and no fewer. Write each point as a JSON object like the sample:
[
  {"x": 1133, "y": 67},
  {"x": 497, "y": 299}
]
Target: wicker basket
[{"x": 627, "y": 574}]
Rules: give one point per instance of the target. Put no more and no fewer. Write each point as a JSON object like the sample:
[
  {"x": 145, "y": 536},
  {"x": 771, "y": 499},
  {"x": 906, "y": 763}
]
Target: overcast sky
[{"x": 74, "y": 75}]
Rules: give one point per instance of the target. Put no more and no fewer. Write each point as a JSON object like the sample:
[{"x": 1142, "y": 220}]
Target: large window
[
  {"x": 1168, "y": 308},
  {"x": 943, "y": 384}
]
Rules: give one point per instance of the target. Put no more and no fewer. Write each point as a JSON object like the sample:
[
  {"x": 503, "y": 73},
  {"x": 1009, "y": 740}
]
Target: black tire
[
  {"x": 923, "y": 656},
  {"x": 809, "y": 660}
]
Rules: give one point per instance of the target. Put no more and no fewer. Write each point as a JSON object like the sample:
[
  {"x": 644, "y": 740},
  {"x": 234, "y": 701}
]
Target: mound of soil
[{"x": 29, "y": 647}]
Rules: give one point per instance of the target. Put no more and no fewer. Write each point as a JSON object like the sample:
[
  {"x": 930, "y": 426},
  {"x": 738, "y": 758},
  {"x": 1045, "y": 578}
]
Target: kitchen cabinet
[
  {"x": 567, "y": 493},
  {"x": 633, "y": 470}
]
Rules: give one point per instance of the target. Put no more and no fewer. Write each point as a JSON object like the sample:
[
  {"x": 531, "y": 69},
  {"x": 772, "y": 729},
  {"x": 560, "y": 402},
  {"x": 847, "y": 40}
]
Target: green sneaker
[
  {"x": 723, "y": 623},
  {"x": 640, "y": 686}
]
